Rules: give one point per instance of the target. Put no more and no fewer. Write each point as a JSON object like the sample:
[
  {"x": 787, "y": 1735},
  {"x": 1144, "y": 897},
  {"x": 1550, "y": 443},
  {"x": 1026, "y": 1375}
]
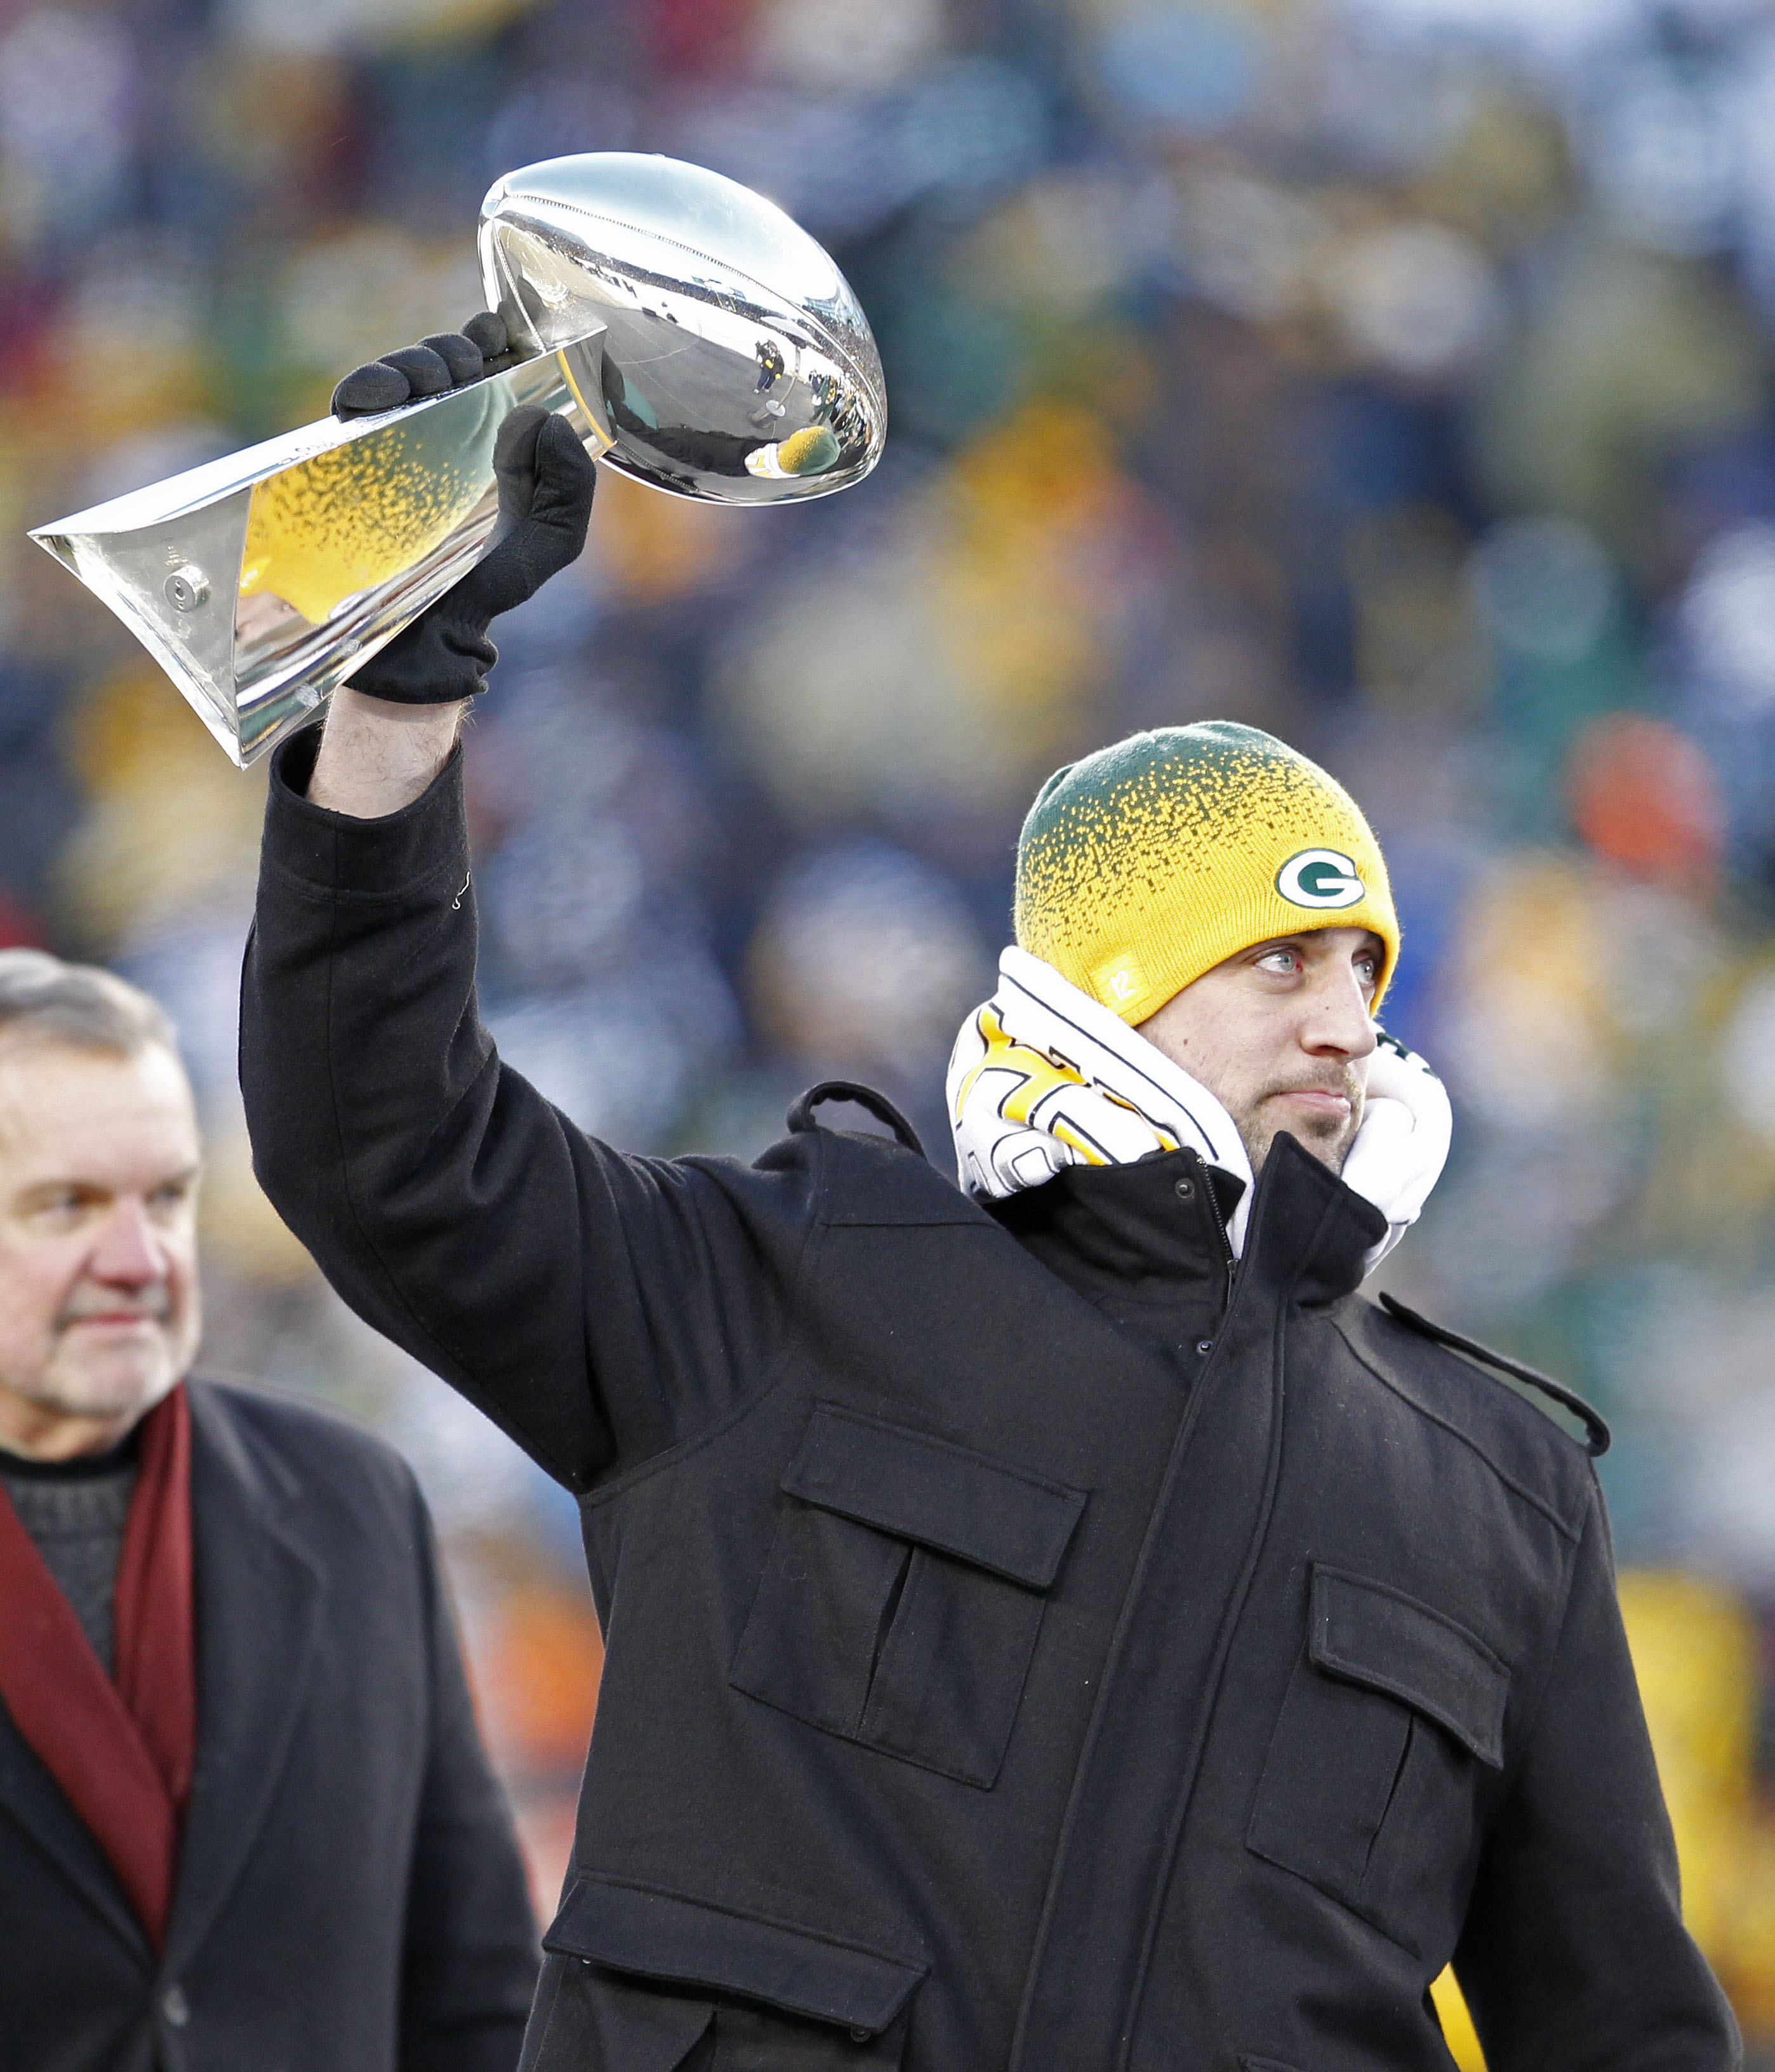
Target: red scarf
[{"x": 123, "y": 1750}]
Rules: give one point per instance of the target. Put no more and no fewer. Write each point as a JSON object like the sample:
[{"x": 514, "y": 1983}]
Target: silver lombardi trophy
[{"x": 693, "y": 336}]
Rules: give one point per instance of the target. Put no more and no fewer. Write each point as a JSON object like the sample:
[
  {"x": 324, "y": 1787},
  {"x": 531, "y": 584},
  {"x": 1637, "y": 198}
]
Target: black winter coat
[
  {"x": 1022, "y": 1653},
  {"x": 349, "y": 1895}
]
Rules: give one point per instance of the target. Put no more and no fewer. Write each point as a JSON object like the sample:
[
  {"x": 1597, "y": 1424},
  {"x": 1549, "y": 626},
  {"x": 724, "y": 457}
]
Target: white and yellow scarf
[{"x": 1042, "y": 1077}]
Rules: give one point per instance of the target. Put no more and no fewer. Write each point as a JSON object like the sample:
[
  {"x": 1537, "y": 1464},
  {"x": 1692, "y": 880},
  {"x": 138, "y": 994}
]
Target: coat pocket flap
[
  {"x": 922, "y": 1488},
  {"x": 662, "y": 1935},
  {"x": 1370, "y": 1633}
]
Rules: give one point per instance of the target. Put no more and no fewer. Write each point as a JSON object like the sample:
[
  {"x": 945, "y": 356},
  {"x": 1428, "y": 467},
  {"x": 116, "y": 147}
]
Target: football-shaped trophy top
[{"x": 737, "y": 365}]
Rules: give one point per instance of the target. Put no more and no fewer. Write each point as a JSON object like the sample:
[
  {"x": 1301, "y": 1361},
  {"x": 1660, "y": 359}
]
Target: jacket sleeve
[
  {"x": 1574, "y": 1957},
  {"x": 598, "y": 1307},
  {"x": 469, "y": 1957}
]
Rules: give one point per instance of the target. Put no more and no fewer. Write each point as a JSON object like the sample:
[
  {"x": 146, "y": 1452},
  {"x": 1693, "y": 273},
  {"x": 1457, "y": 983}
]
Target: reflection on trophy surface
[
  {"x": 693, "y": 336},
  {"x": 747, "y": 378}
]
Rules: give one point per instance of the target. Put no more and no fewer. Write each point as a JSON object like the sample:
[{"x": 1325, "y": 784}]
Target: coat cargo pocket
[
  {"x": 1393, "y": 1715},
  {"x": 652, "y": 1981},
  {"x": 903, "y": 1593}
]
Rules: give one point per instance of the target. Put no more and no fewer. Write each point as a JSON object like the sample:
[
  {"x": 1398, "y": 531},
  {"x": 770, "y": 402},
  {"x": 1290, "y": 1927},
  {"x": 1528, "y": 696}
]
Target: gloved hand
[
  {"x": 447, "y": 359},
  {"x": 546, "y": 480}
]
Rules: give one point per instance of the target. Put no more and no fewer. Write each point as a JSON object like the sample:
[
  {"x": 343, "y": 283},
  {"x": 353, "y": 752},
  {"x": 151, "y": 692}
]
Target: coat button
[
  {"x": 174, "y": 2006},
  {"x": 1205, "y": 1345},
  {"x": 1186, "y": 1190}
]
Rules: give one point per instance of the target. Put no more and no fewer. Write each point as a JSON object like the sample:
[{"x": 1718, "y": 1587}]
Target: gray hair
[{"x": 44, "y": 999}]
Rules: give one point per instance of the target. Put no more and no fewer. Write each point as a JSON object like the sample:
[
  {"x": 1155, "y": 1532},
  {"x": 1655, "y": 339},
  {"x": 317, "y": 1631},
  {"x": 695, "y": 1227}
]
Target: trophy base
[{"x": 260, "y": 582}]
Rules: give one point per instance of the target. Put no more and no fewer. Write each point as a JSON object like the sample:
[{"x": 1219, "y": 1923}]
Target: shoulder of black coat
[
  {"x": 867, "y": 1179},
  {"x": 859, "y": 1176},
  {"x": 299, "y": 1450},
  {"x": 834, "y": 1176},
  {"x": 1540, "y": 1443}
]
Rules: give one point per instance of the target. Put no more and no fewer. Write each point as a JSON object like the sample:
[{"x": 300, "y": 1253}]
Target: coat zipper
[
  {"x": 1024, "y": 2045},
  {"x": 1227, "y": 1256}
]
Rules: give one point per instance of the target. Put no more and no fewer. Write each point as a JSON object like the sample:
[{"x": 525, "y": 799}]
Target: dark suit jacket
[{"x": 349, "y": 1896}]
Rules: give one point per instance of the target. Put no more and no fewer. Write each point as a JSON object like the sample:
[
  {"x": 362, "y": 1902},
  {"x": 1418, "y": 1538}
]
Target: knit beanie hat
[{"x": 1144, "y": 865}]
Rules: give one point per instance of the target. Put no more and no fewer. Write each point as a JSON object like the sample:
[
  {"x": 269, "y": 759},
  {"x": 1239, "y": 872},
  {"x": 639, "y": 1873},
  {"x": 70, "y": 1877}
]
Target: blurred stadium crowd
[{"x": 1392, "y": 374}]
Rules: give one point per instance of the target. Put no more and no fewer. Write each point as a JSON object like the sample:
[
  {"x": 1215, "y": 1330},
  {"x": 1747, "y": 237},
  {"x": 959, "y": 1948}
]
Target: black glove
[
  {"x": 447, "y": 359},
  {"x": 546, "y": 479}
]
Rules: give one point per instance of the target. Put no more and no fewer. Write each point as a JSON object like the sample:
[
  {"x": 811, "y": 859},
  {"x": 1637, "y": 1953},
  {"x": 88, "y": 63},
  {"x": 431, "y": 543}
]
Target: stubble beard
[
  {"x": 106, "y": 1382},
  {"x": 1326, "y": 1140}
]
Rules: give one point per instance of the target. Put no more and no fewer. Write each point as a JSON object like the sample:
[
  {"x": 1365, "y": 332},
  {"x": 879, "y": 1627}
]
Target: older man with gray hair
[{"x": 245, "y": 1818}]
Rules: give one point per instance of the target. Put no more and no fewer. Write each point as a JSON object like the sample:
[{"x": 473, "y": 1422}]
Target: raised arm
[
  {"x": 375, "y": 757},
  {"x": 598, "y": 1307}
]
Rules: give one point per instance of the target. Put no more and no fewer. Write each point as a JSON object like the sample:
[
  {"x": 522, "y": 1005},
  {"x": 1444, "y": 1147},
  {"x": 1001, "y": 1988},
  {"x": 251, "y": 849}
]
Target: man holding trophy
[{"x": 1056, "y": 1624}]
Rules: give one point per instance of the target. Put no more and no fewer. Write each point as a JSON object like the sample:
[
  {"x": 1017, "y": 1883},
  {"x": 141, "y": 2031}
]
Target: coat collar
[
  {"x": 1151, "y": 1233},
  {"x": 1307, "y": 1238},
  {"x": 1309, "y": 1235}
]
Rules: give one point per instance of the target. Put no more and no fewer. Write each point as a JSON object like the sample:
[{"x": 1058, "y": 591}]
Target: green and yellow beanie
[{"x": 1144, "y": 865}]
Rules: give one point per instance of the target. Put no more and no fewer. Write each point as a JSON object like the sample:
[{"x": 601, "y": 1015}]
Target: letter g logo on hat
[{"x": 1323, "y": 877}]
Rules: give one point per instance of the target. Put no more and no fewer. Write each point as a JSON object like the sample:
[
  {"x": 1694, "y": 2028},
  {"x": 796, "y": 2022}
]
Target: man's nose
[
  {"x": 1339, "y": 1023},
  {"x": 128, "y": 1254}
]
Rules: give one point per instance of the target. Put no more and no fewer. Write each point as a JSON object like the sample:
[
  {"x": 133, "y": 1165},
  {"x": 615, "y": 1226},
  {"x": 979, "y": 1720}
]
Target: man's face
[
  {"x": 98, "y": 1254},
  {"x": 1281, "y": 1034}
]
